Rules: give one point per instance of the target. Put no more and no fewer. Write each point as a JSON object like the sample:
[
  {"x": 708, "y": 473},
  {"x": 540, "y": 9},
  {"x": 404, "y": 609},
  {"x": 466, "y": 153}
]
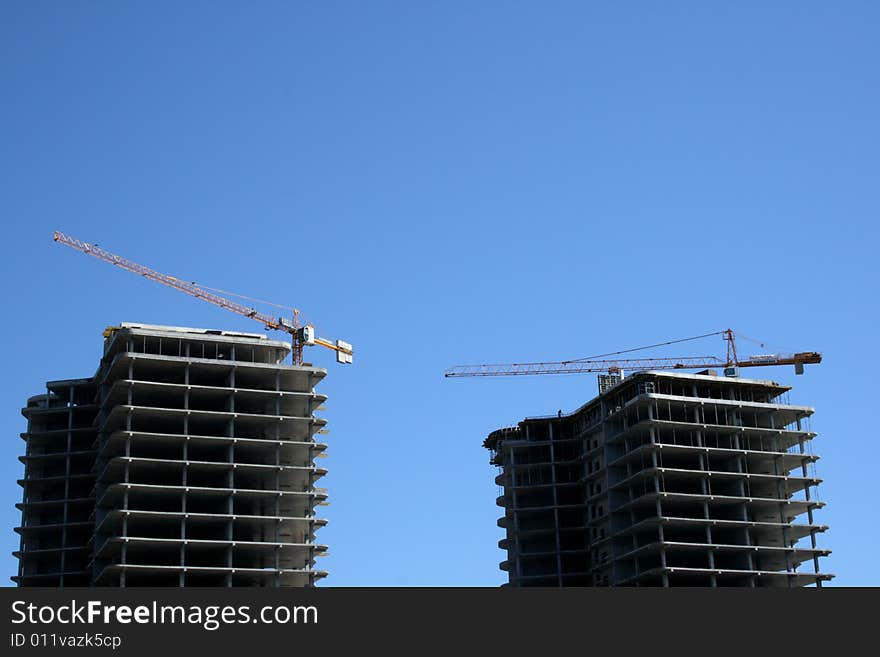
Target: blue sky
[{"x": 443, "y": 183}]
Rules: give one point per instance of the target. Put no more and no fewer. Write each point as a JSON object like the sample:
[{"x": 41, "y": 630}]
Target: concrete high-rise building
[
  {"x": 188, "y": 459},
  {"x": 664, "y": 479}
]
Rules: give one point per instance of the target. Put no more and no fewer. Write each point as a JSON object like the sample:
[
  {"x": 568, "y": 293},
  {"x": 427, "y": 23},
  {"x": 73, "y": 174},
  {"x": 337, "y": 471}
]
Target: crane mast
[{"x": 301, "y": 335}]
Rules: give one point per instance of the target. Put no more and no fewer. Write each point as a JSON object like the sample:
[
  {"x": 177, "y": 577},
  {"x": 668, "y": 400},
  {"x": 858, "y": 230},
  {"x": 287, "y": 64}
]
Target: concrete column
[
  {"x": 66, "y": 506},
  {"x": 123, "y": 558},
  {"x": 555, "y": 504}
]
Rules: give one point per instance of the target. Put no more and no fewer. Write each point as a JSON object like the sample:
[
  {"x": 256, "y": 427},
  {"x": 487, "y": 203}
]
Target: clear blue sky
[{"x": 452, "y": 182}]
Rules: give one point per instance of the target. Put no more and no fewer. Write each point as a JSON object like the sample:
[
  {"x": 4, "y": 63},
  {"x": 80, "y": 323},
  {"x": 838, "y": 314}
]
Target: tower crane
[
  {"x": 602, "y": 363},
  {"x": 301, "y": 334}
]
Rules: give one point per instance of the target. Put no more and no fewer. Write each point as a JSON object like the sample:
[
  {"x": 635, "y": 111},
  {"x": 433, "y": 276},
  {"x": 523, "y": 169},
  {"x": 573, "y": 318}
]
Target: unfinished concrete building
[
  {"x": 664, "y": 479},
  {"x": 187, "y": 460},
  {"x": 58, "y": 499}
]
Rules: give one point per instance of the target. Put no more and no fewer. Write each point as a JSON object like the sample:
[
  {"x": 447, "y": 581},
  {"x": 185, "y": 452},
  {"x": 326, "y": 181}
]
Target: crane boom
[
  {"x": 301, "y": 335},
  {"x": 576, "y": 367}
]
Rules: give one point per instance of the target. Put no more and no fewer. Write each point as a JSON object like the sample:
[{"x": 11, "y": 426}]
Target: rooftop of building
[
  {"x": 139, "y": 328},
  {"x": 154, "y": 334},
  {"x": 776, "y": 389},
  {"x": 684, "y": 376}
]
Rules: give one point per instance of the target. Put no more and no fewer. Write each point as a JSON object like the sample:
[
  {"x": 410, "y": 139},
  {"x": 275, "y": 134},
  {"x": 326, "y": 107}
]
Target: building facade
[
  {"x": 188, "y": 459},
  {"x": 664, "y": 479}
]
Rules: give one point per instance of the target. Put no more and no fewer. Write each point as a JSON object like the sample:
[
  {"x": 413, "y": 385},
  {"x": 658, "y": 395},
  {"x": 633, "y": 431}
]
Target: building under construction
[
  {"x": 664, "y": 479},
  {"x": 188, "y": 459}
]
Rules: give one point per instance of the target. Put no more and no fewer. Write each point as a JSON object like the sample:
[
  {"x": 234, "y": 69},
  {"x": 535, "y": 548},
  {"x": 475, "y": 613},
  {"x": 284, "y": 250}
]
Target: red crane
[{"x": 301, "y": 335}]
